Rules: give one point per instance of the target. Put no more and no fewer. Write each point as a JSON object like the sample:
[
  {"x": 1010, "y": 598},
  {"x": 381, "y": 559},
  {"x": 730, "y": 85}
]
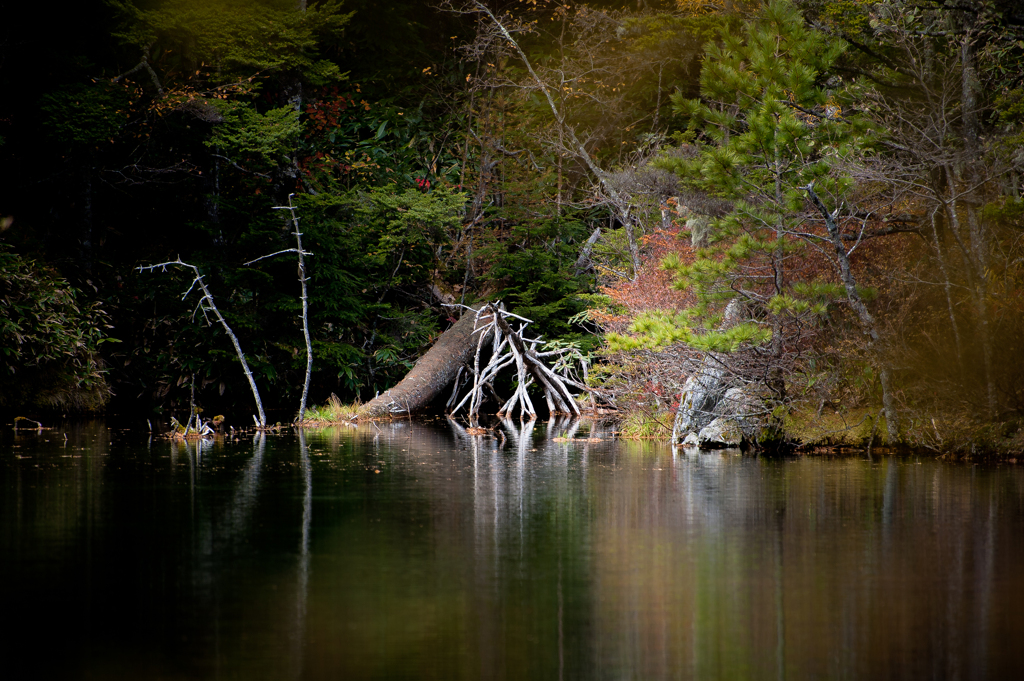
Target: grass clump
[
  {"x": 333, "y": 411},
  {"x": 641, "y": 424}
]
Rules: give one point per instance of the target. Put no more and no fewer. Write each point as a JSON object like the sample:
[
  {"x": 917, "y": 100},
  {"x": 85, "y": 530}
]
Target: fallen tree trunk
[{"x": 431, "y": 374}]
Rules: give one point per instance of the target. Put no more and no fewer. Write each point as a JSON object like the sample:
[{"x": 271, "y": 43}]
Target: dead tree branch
[{"x": 206, "y": 304}]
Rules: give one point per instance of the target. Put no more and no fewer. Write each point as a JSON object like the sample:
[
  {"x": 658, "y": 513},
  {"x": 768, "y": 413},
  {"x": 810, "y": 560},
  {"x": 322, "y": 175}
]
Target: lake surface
[{"x": 417, "y": 551}]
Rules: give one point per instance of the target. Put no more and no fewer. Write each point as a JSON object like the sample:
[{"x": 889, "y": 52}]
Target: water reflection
[
  {"x": 529, "y": 550},
  {"x": 302, "y": 588}
]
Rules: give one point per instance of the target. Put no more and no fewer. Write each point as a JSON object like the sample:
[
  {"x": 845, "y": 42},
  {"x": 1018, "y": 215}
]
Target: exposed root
[{"x": 509, "y": 347}]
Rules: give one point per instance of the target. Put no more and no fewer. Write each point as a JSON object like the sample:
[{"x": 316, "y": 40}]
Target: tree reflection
[{"x": 527, "y": 549}]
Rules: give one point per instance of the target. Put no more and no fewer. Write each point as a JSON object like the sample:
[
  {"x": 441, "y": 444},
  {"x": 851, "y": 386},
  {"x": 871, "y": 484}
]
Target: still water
[{"x": 416, "y": 550}]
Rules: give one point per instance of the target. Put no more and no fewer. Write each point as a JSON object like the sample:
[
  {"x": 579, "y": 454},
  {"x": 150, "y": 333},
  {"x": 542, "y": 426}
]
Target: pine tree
[{"x": 766, "y": 134}]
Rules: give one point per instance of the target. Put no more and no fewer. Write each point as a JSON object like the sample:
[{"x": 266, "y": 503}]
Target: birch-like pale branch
[
  {"x": 208, "y": 298},
  {"x": 271, "y": 255}
]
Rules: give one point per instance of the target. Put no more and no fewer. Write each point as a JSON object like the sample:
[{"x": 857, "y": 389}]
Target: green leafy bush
[{"x": 48, "y": 340}]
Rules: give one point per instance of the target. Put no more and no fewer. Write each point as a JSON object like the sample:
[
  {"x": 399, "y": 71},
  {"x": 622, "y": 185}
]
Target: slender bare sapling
[
  {"x": 205, "y": 305},
  {"x": 305, "y": 299}
]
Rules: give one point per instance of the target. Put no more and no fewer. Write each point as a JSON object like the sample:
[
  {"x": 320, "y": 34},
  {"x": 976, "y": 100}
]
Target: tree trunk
[
  {"x": 867, "y": 321},
  {"x": 977, "y": 263},
  {"x": 948, "y": 286},
  {"x": 432, "y": 373},
  {"x": 970, "y": 87},
  {"x": 583, "y": 263}
]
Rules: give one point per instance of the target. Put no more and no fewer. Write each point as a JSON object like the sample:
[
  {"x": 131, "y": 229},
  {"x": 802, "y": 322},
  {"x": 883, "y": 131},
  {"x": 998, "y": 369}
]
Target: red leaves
[
  {"x": 652, "y": 289},
  {"x": 325, "y": 114}
]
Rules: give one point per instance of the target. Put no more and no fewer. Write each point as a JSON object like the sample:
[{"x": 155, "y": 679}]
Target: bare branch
[
  {"x": 208, "y": 298},
  {"x": 264, "y": 257}
]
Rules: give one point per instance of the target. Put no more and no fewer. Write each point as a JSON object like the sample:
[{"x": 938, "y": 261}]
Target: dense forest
[{"x": 815, "y": 203}]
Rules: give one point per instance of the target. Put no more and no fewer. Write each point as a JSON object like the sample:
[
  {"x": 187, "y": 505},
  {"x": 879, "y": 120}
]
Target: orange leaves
[
  {"x": 652, "y": 289},
  {"x": 697, "y": 7}
]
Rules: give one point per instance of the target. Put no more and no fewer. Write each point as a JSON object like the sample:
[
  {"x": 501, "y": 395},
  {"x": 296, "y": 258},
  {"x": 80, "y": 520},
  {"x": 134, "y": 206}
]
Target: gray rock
[
  {"x": 706, "y": 386},
  {"x": 722, "y": 432},
  {"x": 746, "y": 406},
  {"x": 690, "y": 440},
  {"x": 701, "y": 394}
]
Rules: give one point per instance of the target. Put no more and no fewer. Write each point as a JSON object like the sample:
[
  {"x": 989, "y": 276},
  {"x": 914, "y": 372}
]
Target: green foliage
[
  {"x": 641, "y": 424},
  {"x": 654, "y": 329},
  {"x": 595, "y": 302},
  {"x": 265, "y": 138},
  {"x": 333, "y": 411},
  {"x": 366, "y": 319},
  {"x": 49, "y": 340},
  {"x": 662, "y": 33},
  {"x": 407, "y": 228},
  {"x": 1007, "y": 212},
  {"x": 81, "y": 115},
  {"x": 374, "y": 252},
  {"x": 658, "y": 330},
  {"x": 350, "y": 142},
  {"x": 210, "y": 60},
  {"x": 225, "y": 40},
  {"x": 763, "y": 128},
  {"x": 214, "y": 103},
  {"x": 852, "y": 17},
  {"x": 533, "y": 269}
]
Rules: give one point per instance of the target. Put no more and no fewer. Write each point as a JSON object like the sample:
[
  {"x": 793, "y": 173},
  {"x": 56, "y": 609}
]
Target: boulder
[
  {"x": 746, "y": 406},
  {"x": 720, "y": 433},
  {"x": 690, "y": 440}
]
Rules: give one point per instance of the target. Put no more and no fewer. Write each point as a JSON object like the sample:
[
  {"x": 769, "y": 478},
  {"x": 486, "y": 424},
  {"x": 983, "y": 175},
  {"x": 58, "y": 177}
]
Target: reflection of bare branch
[{"x": 302, "y": 588}]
